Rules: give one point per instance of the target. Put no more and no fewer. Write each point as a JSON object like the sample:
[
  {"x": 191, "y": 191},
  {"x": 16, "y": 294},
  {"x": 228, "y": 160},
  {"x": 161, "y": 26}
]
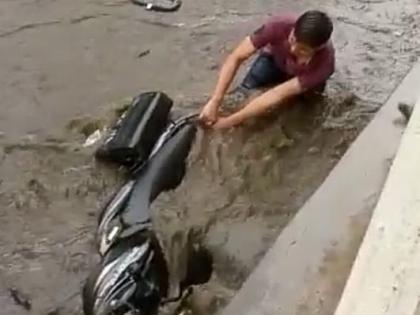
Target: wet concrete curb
[
  {"x": 306, "y": 269},
  {"x": 386, "y": 272}
]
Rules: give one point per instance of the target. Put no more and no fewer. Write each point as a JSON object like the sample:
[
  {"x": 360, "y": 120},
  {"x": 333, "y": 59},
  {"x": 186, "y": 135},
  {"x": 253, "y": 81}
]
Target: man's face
[{"x": 300, "y": 50}]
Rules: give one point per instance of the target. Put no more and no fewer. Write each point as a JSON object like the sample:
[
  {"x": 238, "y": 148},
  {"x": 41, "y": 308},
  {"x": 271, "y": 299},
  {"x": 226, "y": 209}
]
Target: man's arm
[
  {"x": 271, "y": 98},
  {"x": 244, "y": 50}
]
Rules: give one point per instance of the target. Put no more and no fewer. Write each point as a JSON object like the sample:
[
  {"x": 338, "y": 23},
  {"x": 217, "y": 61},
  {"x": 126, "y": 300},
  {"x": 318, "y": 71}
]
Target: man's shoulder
[
  {"x": 326, "y": 56},
  {"x": 279, "y": 26},
  {"x": 284, "y": 19},
  {"x": 329, "y": 49}
]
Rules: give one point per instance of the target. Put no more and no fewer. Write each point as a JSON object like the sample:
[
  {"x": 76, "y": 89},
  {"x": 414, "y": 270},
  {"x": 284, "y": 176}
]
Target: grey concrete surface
[
  {"x": 306, "y": 269},
  {"x": 384, "y": 277}
]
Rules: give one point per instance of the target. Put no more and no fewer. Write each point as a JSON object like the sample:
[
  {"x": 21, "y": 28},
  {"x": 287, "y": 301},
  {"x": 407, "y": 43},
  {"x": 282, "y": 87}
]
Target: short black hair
[{"x": 313, "y": 28}]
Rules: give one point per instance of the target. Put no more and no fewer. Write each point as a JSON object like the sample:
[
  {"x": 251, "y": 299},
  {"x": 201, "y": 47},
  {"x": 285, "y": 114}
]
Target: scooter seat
[{"x": 164, "y": 171}]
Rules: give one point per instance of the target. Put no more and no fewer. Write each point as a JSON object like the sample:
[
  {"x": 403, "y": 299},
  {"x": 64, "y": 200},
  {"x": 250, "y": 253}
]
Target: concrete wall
[
  {"x": 306, "y": 269},
  {"x": 385, "y": 278}
]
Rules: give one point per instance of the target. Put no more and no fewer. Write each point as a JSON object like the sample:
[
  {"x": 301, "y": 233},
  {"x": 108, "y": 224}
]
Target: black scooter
[{"x": 133, "y": 276}]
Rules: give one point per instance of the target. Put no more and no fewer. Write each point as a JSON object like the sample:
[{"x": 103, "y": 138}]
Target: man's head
[{"x": 312, "y": 30}]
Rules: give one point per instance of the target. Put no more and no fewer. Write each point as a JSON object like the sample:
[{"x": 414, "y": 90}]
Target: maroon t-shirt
[{"x": 273, "y": 37}]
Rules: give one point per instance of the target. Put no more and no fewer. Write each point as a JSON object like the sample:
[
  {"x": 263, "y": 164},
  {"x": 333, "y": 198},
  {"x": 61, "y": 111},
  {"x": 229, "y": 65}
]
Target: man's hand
[
  {"x": 261, "y": 104},
  {"x": 223, "y": 123},
  {"x": 209, "y": 113},
  {"x": 245, "y": 49}
]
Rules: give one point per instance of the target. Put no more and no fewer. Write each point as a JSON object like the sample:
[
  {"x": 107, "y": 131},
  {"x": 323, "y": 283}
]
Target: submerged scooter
[{"x": 133, "y": 276}]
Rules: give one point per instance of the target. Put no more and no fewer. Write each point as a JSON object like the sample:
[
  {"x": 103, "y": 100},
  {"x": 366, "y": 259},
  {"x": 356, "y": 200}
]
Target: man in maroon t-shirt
[{"x": 296, "y": 56}]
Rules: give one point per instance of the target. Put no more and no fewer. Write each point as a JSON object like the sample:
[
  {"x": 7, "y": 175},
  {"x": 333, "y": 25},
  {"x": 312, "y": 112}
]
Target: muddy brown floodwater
[{"x": 66, "y": 65}]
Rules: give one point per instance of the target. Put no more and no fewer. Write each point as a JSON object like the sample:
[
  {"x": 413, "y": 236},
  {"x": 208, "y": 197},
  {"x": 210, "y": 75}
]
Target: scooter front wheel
[{"x": 89, "y": 298}]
